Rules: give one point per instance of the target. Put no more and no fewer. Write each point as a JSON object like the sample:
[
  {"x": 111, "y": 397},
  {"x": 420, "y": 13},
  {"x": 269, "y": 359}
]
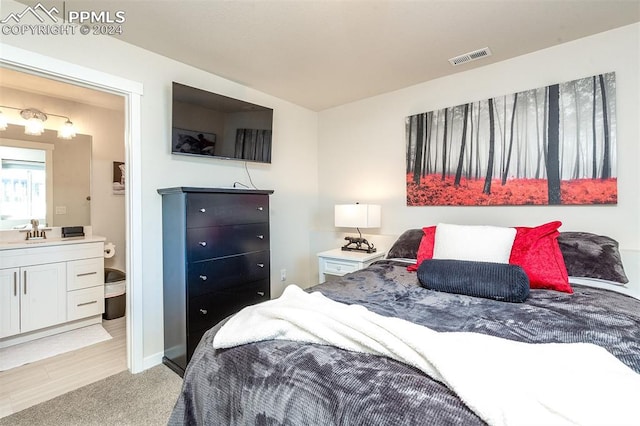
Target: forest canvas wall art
[{"x": 554, "y": 145}]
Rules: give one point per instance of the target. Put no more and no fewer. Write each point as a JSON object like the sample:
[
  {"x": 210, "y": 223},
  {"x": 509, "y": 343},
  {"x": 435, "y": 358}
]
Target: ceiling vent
[{"x": 471, "y": 56}]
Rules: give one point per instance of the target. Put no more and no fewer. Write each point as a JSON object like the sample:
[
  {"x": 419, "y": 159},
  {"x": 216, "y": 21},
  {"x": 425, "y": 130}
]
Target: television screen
[{"x": 213, "y": 125}]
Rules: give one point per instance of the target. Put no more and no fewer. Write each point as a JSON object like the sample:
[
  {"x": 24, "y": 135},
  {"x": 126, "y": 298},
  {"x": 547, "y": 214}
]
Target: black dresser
[{"x": 215, "y": 245}]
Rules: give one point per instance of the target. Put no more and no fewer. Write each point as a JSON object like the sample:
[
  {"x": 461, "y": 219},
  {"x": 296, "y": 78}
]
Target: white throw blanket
[{"x": 502, "y": 381}]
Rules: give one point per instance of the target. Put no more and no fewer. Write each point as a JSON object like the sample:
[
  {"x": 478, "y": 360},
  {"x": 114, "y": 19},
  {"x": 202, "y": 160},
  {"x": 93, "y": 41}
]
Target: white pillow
[{"x": 476, "y": 243}]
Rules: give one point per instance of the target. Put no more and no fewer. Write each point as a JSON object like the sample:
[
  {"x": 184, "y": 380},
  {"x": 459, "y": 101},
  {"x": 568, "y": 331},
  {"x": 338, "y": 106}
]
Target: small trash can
[{"x": 115, "y": 287}]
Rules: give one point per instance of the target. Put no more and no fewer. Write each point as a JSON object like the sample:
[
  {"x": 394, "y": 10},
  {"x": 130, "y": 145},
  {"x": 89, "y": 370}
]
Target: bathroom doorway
[{"x": 110, "y": 216}]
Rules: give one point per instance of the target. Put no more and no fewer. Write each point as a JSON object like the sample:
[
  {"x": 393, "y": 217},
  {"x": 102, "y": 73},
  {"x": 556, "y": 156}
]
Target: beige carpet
[
  {"x": 35, "y": 350},
  {"x": 146, "y": 398}
]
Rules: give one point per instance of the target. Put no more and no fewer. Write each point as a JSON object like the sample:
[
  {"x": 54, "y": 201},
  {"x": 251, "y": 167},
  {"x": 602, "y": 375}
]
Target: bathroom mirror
[{"x": 45, "y": 178}]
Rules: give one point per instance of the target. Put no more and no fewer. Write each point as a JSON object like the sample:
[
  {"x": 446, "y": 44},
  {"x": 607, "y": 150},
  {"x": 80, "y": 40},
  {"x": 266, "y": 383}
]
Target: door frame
[{"x": 35, "y": 63}]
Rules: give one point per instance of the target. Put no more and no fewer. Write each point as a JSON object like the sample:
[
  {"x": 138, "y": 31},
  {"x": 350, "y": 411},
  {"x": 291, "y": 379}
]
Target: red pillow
[
  {"x": 537, "y": 251},
  {"x": 425, "y": 251}
]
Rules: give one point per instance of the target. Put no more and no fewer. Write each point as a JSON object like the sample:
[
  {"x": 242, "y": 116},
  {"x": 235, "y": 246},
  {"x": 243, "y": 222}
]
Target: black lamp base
[{"x": 358, "y": 244}]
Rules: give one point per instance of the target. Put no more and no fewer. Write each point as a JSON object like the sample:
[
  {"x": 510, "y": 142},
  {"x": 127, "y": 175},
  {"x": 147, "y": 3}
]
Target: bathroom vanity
[{"x": 48, "y": 286}]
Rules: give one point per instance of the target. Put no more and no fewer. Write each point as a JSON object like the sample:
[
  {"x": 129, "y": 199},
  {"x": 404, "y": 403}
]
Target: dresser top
[{"x": 181, "y": 189}]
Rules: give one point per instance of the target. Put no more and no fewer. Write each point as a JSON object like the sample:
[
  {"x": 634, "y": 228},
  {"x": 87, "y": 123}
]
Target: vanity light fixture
[
  {"x": 34, "y": 122},
  {"x": 357, "y": 216}
]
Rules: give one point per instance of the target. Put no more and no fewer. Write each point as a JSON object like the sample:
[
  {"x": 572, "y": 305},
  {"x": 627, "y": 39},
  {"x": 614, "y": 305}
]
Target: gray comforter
[{"x": 290, "y": 383}]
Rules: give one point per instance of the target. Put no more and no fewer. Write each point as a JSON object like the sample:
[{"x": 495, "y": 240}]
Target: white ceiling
[
  {"x": 35, "y": 84},
  {"x": 322, "y": 53}
]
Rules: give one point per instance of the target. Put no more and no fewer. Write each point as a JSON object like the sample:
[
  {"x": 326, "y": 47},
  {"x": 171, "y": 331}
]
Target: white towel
[{"x": 503, "y": 381}]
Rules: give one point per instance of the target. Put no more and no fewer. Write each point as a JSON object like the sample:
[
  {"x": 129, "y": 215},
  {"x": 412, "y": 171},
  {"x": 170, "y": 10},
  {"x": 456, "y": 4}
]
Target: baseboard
[{"x": 152, "y": 360}]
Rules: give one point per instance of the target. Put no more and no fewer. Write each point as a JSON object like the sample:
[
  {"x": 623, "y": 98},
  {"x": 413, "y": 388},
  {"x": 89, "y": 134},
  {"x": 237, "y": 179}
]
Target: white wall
[
  {"x": 292, "y": 174},
  {"x": 106, "y": 128},
  {"x": 361, "y": 146}
]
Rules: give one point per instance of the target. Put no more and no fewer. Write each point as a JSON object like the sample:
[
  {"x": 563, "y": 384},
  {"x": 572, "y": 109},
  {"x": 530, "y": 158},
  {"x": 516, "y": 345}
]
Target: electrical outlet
[{"x": 283, "y": 274}]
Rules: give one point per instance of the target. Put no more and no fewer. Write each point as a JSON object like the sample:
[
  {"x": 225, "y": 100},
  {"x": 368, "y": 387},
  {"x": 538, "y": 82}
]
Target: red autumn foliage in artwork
[{"x": 433, "y": 191}]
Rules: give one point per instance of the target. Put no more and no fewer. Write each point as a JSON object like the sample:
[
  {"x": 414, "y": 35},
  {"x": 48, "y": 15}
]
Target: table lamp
[{"x": 357, "y": 216}]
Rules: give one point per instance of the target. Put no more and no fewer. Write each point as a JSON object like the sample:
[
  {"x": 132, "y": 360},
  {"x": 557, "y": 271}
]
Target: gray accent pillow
[
  {"x": 406, "y": 246},
  {"x": 498, "y": 281},
  {"x": 592, "y": 256}
]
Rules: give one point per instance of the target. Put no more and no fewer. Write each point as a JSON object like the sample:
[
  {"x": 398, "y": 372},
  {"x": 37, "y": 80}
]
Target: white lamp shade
[
  {"x": 34, "y": 126},
  {"x": 67, "y": 131},
  {"x": 357, "y": 215}
]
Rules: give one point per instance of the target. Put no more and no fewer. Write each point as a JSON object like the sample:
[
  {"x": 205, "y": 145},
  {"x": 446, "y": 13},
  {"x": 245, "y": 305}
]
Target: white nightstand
[{"x": 338, "y": 262}]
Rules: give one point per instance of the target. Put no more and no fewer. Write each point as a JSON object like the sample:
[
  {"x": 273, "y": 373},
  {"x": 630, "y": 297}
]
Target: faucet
[{"x": 35, "y": 233}]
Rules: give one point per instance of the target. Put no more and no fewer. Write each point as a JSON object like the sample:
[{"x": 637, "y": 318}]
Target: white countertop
[{"x": 12, "y": 240}]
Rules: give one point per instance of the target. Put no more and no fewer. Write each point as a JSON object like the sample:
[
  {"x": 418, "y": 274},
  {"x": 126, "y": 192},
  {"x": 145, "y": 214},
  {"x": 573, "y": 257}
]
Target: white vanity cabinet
[
  {"x": 33, "y": 297},
  {"x": 45, "y": 288},
  {"x": 9, "y": 302}
]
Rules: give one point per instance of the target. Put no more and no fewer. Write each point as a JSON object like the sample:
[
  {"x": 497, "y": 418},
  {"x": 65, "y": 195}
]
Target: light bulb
[
  {"x": 34, "y": 126},
  {"x": 67, "y": 131}
]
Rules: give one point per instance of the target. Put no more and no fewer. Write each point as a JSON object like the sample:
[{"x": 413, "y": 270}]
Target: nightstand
[{"x": 338, "y": 262}]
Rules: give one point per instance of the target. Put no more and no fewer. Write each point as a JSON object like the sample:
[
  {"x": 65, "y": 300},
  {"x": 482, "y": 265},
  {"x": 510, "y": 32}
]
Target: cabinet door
[
  {"x": 44, "y": 296},
  {"x": 9, "y": 302}
]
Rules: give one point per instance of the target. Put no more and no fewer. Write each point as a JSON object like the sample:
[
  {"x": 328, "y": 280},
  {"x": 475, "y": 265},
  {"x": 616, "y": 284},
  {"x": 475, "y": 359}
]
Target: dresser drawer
[
  {"x": 206, "y": 311},
  {"x": 212, "y": 275},
  {"x": 85, "y": 273},
  {"x": 220, "y": 241},
  {"x": 226, "y": 209},
  {"x": 336, "y": 267},
  {"x": 85, "y": 303}
]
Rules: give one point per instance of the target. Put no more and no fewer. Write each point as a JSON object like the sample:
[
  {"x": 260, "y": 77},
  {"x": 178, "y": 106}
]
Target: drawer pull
[
  {"x": 87, "y": 303},
  {"x": 260, "y": 208},
  {"x": 25, "y": 282},
  {"x": 203, "y": 277},
  {"x": 15, "y": 283},
  {"x": 86, "y": 273},
  {"x": 339, "y": 268},
  {"x": 261, "y": 293},
  {"x": 204, "y": 311},
  {"x": 203, "y": 243},
  {"x": 260, "y": 237},
  {"x": 261, "y": 265},
  {"x": 203, "y": 210}
]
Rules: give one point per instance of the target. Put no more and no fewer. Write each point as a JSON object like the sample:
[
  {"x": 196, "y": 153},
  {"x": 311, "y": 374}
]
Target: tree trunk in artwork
[
  {"x": 444, "y": 144},
  {"x": 606, "y": 159},
  {"x": 419, "y": 143},
  {"x": 462, "y": 145},
  {"x": 539, "y": 150},
  {"x": 492, "y": 142},
  {"x": 508, "y": 160},
  {"x": 427, "y": 152},
  {"x": 436, "y": 144},
  {"x": 477, "y": 162},
  {"x": 470, "y": 156},
  {"x": 576, "y": 166},
  {"x": 553, "y": 158},
  {"x": 594, "y": 162},
  {"x": 408, "y": 131},
  {"x": 545, "y": 127}
]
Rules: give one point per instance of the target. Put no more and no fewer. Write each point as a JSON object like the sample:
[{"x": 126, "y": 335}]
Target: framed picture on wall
[
  {"x": 118, "y": 178},
  {"x": 554, "y": 145}
]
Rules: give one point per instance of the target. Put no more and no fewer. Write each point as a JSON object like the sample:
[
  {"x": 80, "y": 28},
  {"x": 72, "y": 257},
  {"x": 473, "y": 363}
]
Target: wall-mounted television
[{"x": 212, "y": 125}]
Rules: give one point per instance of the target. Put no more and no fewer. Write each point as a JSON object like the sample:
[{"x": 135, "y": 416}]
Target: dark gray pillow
[
  {"x": 498, "y": 281},
  {"x": 592, "y": 256},
  {"x": 406, "y": 246}
]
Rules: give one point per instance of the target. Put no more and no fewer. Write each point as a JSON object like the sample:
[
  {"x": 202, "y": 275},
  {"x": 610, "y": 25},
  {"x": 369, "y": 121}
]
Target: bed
[{"x": 288, "y": 382}]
